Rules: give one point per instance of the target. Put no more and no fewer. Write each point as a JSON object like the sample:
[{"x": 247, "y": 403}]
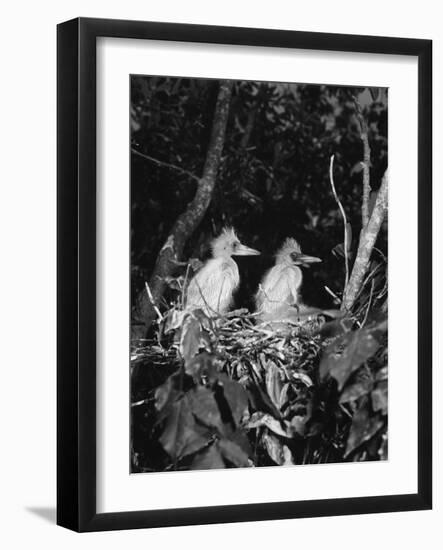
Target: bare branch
[
  {"x": 166, "y": 165},
  {"x": 345, "y": 223},
  {"x": 189, "y": 220},
  {"x": 368, "y": 237},
  {"x": 366, "y": 164}
]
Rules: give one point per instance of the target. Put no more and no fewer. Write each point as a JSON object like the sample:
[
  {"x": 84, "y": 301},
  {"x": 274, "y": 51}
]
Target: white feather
[
  {"x": 279, "y": 291},
  {"x": 212, "y": 287}
]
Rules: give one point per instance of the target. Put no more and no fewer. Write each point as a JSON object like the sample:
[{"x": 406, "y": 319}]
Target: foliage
[
  {"x": 230, "y": 392},
  {"x": 242, "y": 395}
]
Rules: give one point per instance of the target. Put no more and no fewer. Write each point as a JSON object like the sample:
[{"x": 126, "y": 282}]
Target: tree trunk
[
  {"x": 368, "y": 237},
  {"x": 144, "y": 310}
]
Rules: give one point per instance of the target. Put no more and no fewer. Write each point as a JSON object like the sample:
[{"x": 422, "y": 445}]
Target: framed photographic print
[{"x": 231, "y": 343}]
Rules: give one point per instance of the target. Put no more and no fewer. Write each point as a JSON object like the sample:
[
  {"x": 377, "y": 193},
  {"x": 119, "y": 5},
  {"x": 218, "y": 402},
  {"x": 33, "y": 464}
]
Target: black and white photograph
[{"x": 259, "y": 289}]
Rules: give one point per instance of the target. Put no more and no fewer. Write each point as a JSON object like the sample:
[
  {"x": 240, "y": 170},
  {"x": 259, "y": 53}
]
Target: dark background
[{"x": 273, "y": 181}]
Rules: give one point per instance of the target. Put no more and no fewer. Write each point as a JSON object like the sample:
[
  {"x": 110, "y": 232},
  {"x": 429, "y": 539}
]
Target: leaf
[
  {"x": 162, "y": 394},
  {"x": 298, "y": 423},
  {"x": 364, "y": 426},
  {"x": 273, "y": 383},
  {"x": 349, "y": 236},
  {"x": 193, "y": 337},
  {"x": 176, "y": 283},
  {"x": 303, "y": 378},
  {"x": 284, "y": 396},
  {"x": 210, "y": 459},
  {"x": 200, "y": 438},
  {"x": 382, "y": 374},
  {"x": 259, "y": 419},
  {"x": 278, "y": 452},
  {"x": 383, "y": 450},
  {"x": 205, "y": 408},
  {"x": 240, "y": 438},
  {"x": 232, "y": 452},
  {"x": 379, "y": 397},
  {"x": 236, "y": 397},
  {"x": 346, "y": 354},
  {"x": 179, "y": 428},
  {"x": 260, "y": 398},
  {"x": 173, "y": 320},
  {"x": 201, "y": 364},
  {"x": 361, "y": 384},
  {"x": 165, "y": 395},
  {"x": 375, "y": 92},
  {"x": 190, "y": 339},
  {"x": 339, "y": 249}
]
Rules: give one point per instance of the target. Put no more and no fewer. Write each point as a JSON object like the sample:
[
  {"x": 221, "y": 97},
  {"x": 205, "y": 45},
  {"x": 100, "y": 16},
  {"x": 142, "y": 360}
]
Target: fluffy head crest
[
  {"x": 290, "y": 245},
  {"x": 224, "y": 243}
]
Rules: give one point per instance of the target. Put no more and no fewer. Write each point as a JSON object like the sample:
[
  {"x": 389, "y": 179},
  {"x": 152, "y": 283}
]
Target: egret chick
[
  {"x": 278, "y": 297},
  {"x": 213, "y": 286}
]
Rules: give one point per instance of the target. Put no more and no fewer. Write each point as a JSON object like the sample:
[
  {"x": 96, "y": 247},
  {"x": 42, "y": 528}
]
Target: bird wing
[
  {"x": 212, "y": 287},
  {"x": 279, "y": 286}
]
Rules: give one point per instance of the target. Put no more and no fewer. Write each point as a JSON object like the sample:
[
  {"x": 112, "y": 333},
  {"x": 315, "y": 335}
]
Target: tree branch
[
  {"x": 368, "y": 237},
  {"x": 188, "y": 221},
  {"x": 366, "y": 164},
  {"x": 166, "y": 165}
]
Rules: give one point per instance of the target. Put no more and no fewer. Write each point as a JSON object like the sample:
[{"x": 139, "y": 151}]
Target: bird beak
[
  {"x": 243, "y": 250},
  {"x": 305, "y": 260}
]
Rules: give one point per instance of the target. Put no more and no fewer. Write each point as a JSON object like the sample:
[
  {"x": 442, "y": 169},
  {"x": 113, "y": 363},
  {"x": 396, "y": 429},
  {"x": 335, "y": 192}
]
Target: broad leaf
[
  {"x": 192, "y": 339},
  {"x": 260, "y": 419},
  {"x": 236, "y": 397},
  {"x": 205, "y": 408},
  {"x": 201, "y": 364},
  {"x": 200, "y": 438},
  {"x": 346, "y": 354},
  {"x": 375, "y": 92},
  {"x": 379, "y": 397},
  {"x": 162, "y": 394},
  {"x": 364, "y": 426},
  {"x": 361, "y": 384},
  {"x": 274, "y": 383},
  {"x": 165, "y": 395},
  {"x": 179, "y": 428},
  {"x": 232, "y": 452},
  {"x": 208, "y": 460},
  {"x": 278, "y": 451}
]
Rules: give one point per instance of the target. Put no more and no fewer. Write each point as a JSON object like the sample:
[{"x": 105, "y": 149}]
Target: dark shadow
[{"x": 48, "y": 514}]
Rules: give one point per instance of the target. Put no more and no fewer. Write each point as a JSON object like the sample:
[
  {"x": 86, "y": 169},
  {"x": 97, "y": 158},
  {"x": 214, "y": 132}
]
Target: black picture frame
[{"x": 76, "y": 295}]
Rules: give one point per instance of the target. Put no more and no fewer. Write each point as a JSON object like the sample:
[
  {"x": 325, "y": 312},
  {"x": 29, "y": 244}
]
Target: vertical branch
[
  {"x": 345, "y": 223},
  {"x": 366, "y": 184},
  {"x": 366, "y": 164},
  {"x": 368, "y": 237},
  {"x": 188, "y": 221}
]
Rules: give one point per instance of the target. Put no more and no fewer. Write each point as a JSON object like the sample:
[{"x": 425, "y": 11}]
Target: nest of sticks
[{"x": 245, "y": 349}]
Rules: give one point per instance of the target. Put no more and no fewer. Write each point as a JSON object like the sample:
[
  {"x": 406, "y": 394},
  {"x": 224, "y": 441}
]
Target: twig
[
  {"x": 185, "y": 282},
  {"x": 151, "y": 298},
  {"x": 329, "y": 291},
  {"x": 142, "y": 402},
  {"x": 345, "y": 223},
  {"x": 369, "y": 303},
  {"x": 166, "y": 165}
]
